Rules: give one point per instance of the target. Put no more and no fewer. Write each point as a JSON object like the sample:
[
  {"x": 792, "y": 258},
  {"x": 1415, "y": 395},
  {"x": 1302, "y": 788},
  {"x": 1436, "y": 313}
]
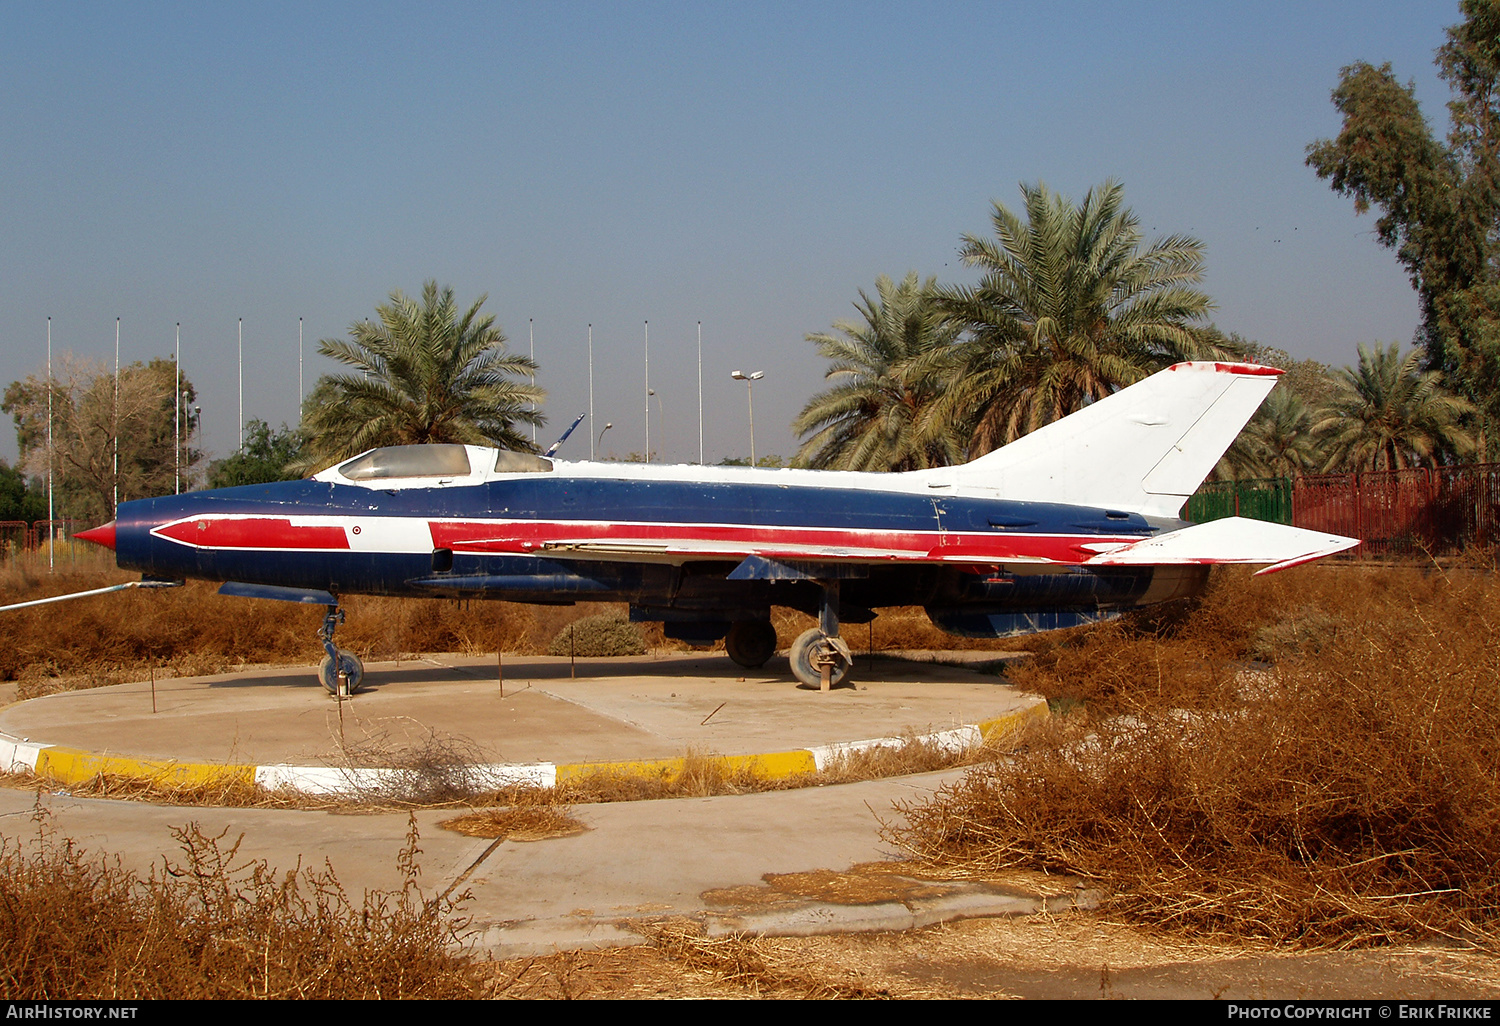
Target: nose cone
[{"x": 102, "y": 535}]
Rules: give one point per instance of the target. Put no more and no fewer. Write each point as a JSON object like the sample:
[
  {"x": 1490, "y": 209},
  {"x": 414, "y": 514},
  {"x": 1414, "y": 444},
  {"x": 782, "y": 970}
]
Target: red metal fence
[
  {"x": 17, "y": 536},
  {"x": 1395, "y": 513},
  {"x": 1404, "y": 512}
]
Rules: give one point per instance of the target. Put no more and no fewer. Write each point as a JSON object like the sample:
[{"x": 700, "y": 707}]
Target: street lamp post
[{"x": 749, "y": 380}]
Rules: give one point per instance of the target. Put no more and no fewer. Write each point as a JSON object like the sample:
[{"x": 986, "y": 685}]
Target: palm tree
[
  {"x": 1278, "y": 442},
  {"x": 1069, "y": 310},
  {"x": 887, "y": 371},
  {"x": 426, "y": 373},
  {"x": 1388, "y": 414}
]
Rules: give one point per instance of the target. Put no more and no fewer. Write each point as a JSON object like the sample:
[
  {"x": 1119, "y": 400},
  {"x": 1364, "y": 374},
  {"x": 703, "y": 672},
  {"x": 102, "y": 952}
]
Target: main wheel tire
[
  {"x": 351, "y": 664},
  {"x": 807, "y": 655},
  {"x": 750, "y": 642}
]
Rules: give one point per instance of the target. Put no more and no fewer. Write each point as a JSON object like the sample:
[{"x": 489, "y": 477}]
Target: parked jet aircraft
[{"x": 1071, "y": 524}]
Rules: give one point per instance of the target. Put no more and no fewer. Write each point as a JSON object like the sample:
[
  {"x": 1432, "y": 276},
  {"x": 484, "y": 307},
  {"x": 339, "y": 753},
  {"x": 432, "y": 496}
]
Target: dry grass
[
  {"x": 214, "y": 925},
  {"x": 232, "y": 793},
  {"x": 518, "y": 823},
  {"x": 678, "y": 961},
  {"x": 1346, "y": 796}
]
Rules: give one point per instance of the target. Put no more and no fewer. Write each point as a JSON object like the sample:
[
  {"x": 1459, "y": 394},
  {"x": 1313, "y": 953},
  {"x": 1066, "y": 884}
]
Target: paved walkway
[{"x": 693, "y": 857}]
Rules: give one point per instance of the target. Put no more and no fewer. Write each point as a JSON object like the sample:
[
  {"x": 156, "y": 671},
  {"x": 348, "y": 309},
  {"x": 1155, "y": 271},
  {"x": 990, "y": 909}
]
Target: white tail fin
[{"x": 1144, "y": 449}]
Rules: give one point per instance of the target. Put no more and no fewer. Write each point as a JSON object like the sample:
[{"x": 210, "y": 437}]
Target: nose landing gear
[
  {"x": 341, "y": 671},
  {"x": 819, "y": 657}
]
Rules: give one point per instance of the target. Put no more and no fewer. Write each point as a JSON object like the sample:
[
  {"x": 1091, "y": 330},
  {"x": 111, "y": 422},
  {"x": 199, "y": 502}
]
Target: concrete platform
[
  {"x": 639, "y": 708},
  {"x": 634, "y": 861}
]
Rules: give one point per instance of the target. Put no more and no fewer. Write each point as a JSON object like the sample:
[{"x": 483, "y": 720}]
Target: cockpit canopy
[
  {"x": 408, "y": 461},
  {"x": 434, "y": 463}
]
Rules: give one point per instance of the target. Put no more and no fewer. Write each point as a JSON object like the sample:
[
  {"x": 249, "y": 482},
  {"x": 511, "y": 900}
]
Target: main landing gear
[
  {"x": 750, "y": 642},
  {"x": 341, "y": 671},
  {"x": 819, "y": 657}
]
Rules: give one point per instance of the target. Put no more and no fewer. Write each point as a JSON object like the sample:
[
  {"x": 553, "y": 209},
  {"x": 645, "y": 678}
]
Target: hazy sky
[{"x": 749, "y": 166}]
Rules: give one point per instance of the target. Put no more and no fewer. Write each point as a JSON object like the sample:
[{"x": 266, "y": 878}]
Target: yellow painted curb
[
  {"x": 768, "y": 766},
  {"x": 72, "y": 766},
  {"x": 1011, "y": 722}
]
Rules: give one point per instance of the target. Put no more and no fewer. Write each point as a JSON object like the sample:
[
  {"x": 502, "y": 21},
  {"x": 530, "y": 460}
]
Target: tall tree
[
  {"x": 1389, "y": 414},
  {"x": 1069, "y": 310},
  {"x": 1439, "y": 203},
  {"x": 18, "y": 499},
  {"x": 268, "y": 455},
  {"x": 425, "y": 372},
  {"x": 887, "y": 369},
  {"x": 87, "y": 421}
]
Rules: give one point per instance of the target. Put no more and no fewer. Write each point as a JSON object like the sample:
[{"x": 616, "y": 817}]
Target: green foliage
[
  {"x": 1388, "y": 414},
  {"x": 426, "y": 372},
  {"x": 607, "y": 634},
  {"x": 17, "y": 500},
  {"x": 267, "y": 456},
  {"x": 1439, "y": 204},
  {"x": 770, "y": 461},
  {"x": 1279, "y": 441},
  {"x": 1070, "y": 309},
  {"x": 886, "y": 370}
]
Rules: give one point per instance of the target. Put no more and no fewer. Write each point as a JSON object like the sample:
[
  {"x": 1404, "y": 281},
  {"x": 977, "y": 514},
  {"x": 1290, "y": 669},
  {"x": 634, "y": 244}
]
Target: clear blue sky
[{"x": 751, "y": 166}]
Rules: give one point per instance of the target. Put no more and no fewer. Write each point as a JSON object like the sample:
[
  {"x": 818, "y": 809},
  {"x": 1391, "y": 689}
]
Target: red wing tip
[
  {"x": 1229, "y": 368},
  {"x": 104, "y": 535}
]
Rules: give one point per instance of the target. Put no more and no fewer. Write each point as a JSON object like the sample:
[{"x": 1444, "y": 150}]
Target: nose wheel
[
  {"x": 820, "y": 661},
  {"x": 348, "y": 666},
  {"x": 819, "y": 657},
  {"x": 340, "y": 671}
]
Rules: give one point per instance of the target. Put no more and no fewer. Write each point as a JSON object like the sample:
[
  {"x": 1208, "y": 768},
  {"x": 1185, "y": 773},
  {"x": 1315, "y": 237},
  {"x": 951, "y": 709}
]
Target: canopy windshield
[
  {"x": 520, "y": 463},
  {"x": 408, "y": 461}
]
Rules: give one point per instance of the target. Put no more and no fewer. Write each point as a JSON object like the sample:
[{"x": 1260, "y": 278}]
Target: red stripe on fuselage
[
  {"x": 529, "y": 536},
  {"x": 254, "y": 533}
]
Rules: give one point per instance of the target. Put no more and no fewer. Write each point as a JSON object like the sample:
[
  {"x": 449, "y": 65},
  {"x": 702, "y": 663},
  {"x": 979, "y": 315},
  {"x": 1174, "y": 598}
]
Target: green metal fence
[{"x": 1261, "y": 499}]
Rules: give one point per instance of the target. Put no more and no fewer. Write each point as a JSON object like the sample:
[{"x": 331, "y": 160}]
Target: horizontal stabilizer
[{"x": 1231, "y": 540}]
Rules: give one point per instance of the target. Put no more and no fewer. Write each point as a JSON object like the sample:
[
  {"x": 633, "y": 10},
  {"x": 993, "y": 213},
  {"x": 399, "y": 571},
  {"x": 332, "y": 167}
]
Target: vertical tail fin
[{"x": 1144, "y": 449}]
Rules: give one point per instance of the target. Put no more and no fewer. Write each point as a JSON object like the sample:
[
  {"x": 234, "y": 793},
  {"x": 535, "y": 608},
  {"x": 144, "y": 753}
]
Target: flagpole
[
  {"x": 700, "y": 393},
  {"x": 590, "y": 389},
  {"x": 51, "y": 513},
  {"x": 648, "y": 390},
  {"x": 117, "y": 413},
  {"x": 242, "y": 384},
  {"x": 177, "y": 415}
]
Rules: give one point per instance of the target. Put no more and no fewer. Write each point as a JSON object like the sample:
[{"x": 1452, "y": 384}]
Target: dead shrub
[
  {"x": 213, "y": 925},
  {"x": 419, "y": 767},
  {"x": 606, "y": 634},
  {"x": 1350, "y": 798},
  {"x": 516, "y": 823}
]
